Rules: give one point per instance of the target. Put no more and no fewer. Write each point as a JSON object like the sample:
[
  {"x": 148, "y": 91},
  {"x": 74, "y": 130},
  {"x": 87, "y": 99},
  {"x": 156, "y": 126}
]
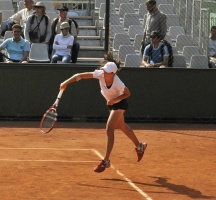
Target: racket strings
[{"x": 49, "y": 120}]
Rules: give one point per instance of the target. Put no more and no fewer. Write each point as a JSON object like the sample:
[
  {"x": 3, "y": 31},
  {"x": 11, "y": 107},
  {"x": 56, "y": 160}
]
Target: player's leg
[
  {"x": 127, "y": 130},
  {"x": 112, "y": 121}
]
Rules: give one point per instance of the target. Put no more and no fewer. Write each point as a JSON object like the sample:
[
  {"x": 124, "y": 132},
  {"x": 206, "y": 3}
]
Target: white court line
[
  {"x": 65, "y": 161},
  {"x": 61, "y": 149},
  {"x": 61, "y": 161},
  {"x": 126, "y": 179}
]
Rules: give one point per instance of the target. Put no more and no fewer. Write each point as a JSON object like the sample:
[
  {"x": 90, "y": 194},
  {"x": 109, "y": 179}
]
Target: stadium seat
[
  {"x": 120, "y": 39},
  {"x": 135, "y": 29},
  {"x": 118, "y": 2},
  {"x": 6, "y": 5},
  {"x": 199, "y": 62},
  {"x": 175, "y": 30},
  {"x": 125, "y": 8},
  {"x": 38, "y": 53},
  {"x": 184, "y": 40},
  {"x": 142, "y": 11},
  {"x": 189, "y": 51},
  {"x": 8, "y": 34},
  {"x": 116, "y": 29},
  {"x": 166, "y": 8},
  {"x": 137, "y": 42},
  {"x": 133, "y": 60},
  {"x": 130, "y": 19},
  {"x": 179, "y": 61},
  {"x": 124, "y": 50}
]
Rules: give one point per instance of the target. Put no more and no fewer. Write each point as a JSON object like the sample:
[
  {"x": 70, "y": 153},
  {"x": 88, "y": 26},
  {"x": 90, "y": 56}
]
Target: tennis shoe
[
  {"x": 140, "y": 150},
  {"x": 102, "y": 166}
]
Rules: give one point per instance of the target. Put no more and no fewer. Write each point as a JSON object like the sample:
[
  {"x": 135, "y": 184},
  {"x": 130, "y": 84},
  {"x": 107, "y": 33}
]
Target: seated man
[
  {"x": 17, "y": 47},
  {"x": 212, "y": 47},
  {"x": 153, "y": 55},
  {"x": 20, "y": 17},
  {"x": 62, "y": 44}
]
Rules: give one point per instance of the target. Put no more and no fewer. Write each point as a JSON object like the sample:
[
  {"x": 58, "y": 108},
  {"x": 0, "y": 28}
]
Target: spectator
[
  {"x": 20, "y": 17},
  {"x": 152, "y": 56},
  {"x": 156, "y": 21},
  {"x": 62, "y": 45},
  {"x": 38, "y": 26},
  {"x": 17, "y": 47},
  {"x": 212, "y": 47},
  {"x": 74, "y": 31}
]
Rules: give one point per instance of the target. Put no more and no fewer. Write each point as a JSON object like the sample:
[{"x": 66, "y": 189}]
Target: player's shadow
[{"x": 177, "y": 189}]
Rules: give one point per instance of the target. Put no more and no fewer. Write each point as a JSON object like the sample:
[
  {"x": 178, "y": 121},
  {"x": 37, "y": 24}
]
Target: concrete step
[
  {"x": 90, "y": 40},
  {"x": 91, "y": 51},
  {"x": 89, "y": 60},
  {"x": 87, "y": 30}
]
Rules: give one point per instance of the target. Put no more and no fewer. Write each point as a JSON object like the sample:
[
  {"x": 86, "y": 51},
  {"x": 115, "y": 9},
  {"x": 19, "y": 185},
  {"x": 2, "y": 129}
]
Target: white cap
[{"x": 110, "y": 67}]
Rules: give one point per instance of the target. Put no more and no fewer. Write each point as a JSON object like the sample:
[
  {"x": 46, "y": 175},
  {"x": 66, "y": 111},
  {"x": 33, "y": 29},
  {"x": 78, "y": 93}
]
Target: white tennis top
[{"x": 114, "y": 91}]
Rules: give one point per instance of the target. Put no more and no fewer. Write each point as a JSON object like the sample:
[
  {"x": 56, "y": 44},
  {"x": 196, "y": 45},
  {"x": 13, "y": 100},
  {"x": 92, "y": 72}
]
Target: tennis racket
[{"x": 49, "y": 118}]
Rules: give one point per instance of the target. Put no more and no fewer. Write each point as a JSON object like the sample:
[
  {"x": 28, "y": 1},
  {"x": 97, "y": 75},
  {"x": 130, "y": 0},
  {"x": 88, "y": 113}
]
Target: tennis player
[{"x": 116, "y": 94}]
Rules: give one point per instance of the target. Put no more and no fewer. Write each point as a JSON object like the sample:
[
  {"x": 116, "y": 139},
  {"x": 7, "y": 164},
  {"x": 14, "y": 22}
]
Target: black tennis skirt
[{"x": 121, "y": 105}]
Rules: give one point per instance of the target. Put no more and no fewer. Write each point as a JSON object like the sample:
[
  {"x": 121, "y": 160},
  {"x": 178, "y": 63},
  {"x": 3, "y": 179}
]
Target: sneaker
[
  {"x": 140, "y": 150},
  {"x": 102, "y": 166}
]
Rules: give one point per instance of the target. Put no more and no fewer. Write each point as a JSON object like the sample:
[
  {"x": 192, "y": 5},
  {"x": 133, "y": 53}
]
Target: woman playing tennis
[{"x": 116, "y": 94}]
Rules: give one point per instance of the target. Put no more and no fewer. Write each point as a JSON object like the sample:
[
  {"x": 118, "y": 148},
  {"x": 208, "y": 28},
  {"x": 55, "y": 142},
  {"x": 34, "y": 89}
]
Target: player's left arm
[{"x": 76, "y": 77}]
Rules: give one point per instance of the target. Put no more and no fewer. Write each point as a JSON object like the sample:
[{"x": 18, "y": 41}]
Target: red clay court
[{"x": 179, "y": 163}]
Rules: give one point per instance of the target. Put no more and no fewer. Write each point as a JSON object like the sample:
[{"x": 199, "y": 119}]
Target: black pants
[{"x": 75, "y": 52}]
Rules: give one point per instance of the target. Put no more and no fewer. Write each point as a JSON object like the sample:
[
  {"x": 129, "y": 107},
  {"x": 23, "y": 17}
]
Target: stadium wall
[{"x": 27, "y": 91}]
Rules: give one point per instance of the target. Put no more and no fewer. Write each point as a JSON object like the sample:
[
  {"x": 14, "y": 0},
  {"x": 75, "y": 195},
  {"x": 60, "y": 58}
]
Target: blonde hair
[{"x": 108, "y": 57}]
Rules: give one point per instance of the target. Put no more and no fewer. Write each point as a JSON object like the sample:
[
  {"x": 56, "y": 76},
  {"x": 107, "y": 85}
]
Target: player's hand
[{"x": 110, "y": 102}]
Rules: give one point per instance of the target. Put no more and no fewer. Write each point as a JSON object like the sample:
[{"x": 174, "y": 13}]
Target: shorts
[{"x": 121, "y": 105}]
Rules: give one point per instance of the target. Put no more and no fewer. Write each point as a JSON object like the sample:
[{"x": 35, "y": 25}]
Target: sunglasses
[{"x": 38, "y": 7}]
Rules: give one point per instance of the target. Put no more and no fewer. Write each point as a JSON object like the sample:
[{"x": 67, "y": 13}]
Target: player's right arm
[{"x": 76, "y": 77}]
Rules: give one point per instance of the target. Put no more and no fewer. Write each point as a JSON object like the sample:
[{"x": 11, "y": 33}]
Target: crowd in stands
[
  {"x": 33, "y": 25},
  {"x": 60, "y": 36}
]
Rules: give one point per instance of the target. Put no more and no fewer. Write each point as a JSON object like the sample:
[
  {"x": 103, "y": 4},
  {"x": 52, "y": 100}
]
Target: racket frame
[{"x": 53, "y": 107}]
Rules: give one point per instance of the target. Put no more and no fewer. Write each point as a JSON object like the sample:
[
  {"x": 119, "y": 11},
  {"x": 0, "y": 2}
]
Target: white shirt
[
  {"x": 212, "y": 46},
  {"x": 22, "y": 15},
  {"x": 62, "y": 43},
  {"x": 114, "y": 91}
]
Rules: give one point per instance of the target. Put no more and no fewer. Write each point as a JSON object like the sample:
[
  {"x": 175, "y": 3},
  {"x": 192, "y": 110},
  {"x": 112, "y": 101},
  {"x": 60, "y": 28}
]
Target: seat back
[
  {"x": 120, "y": 39},
  {"x": 199, "y": 62},
  {"x": 6, "y": 5},
  {"x": 142, "y": 10},
  {"x": 166, "y": 8},
  {"x": 137, "y": 42},
  {"x": 124, "y": 50},
  {"x": 189, "y": 51},
  {"x": 116, "y": 29},
  {"x": 135, "y": 29},
  {"x": 118, "y": 2},
  {"x": 184, "y": 40},
  {"x": 131, "y": 19},
  {"x": 179, "y": 61},
  {"x": 39, "y": 53},
  {"x": 8, "y": 34},
  {"x": 125, "y": 8},
  {"x": 133, "y": 60},
  {"x": 172, "y": 20},
  {"x": 175, "y": 30}
]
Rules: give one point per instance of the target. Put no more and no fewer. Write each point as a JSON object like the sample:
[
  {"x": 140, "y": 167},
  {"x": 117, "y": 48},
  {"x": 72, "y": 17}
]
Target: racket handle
[
  {"x": 58, "y": 97},
  {"x": 60, "y": 94}
]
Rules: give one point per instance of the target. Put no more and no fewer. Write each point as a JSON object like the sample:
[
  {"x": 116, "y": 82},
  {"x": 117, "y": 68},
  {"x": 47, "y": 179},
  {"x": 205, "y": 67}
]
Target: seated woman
[{"x": 62, "y": 45}]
